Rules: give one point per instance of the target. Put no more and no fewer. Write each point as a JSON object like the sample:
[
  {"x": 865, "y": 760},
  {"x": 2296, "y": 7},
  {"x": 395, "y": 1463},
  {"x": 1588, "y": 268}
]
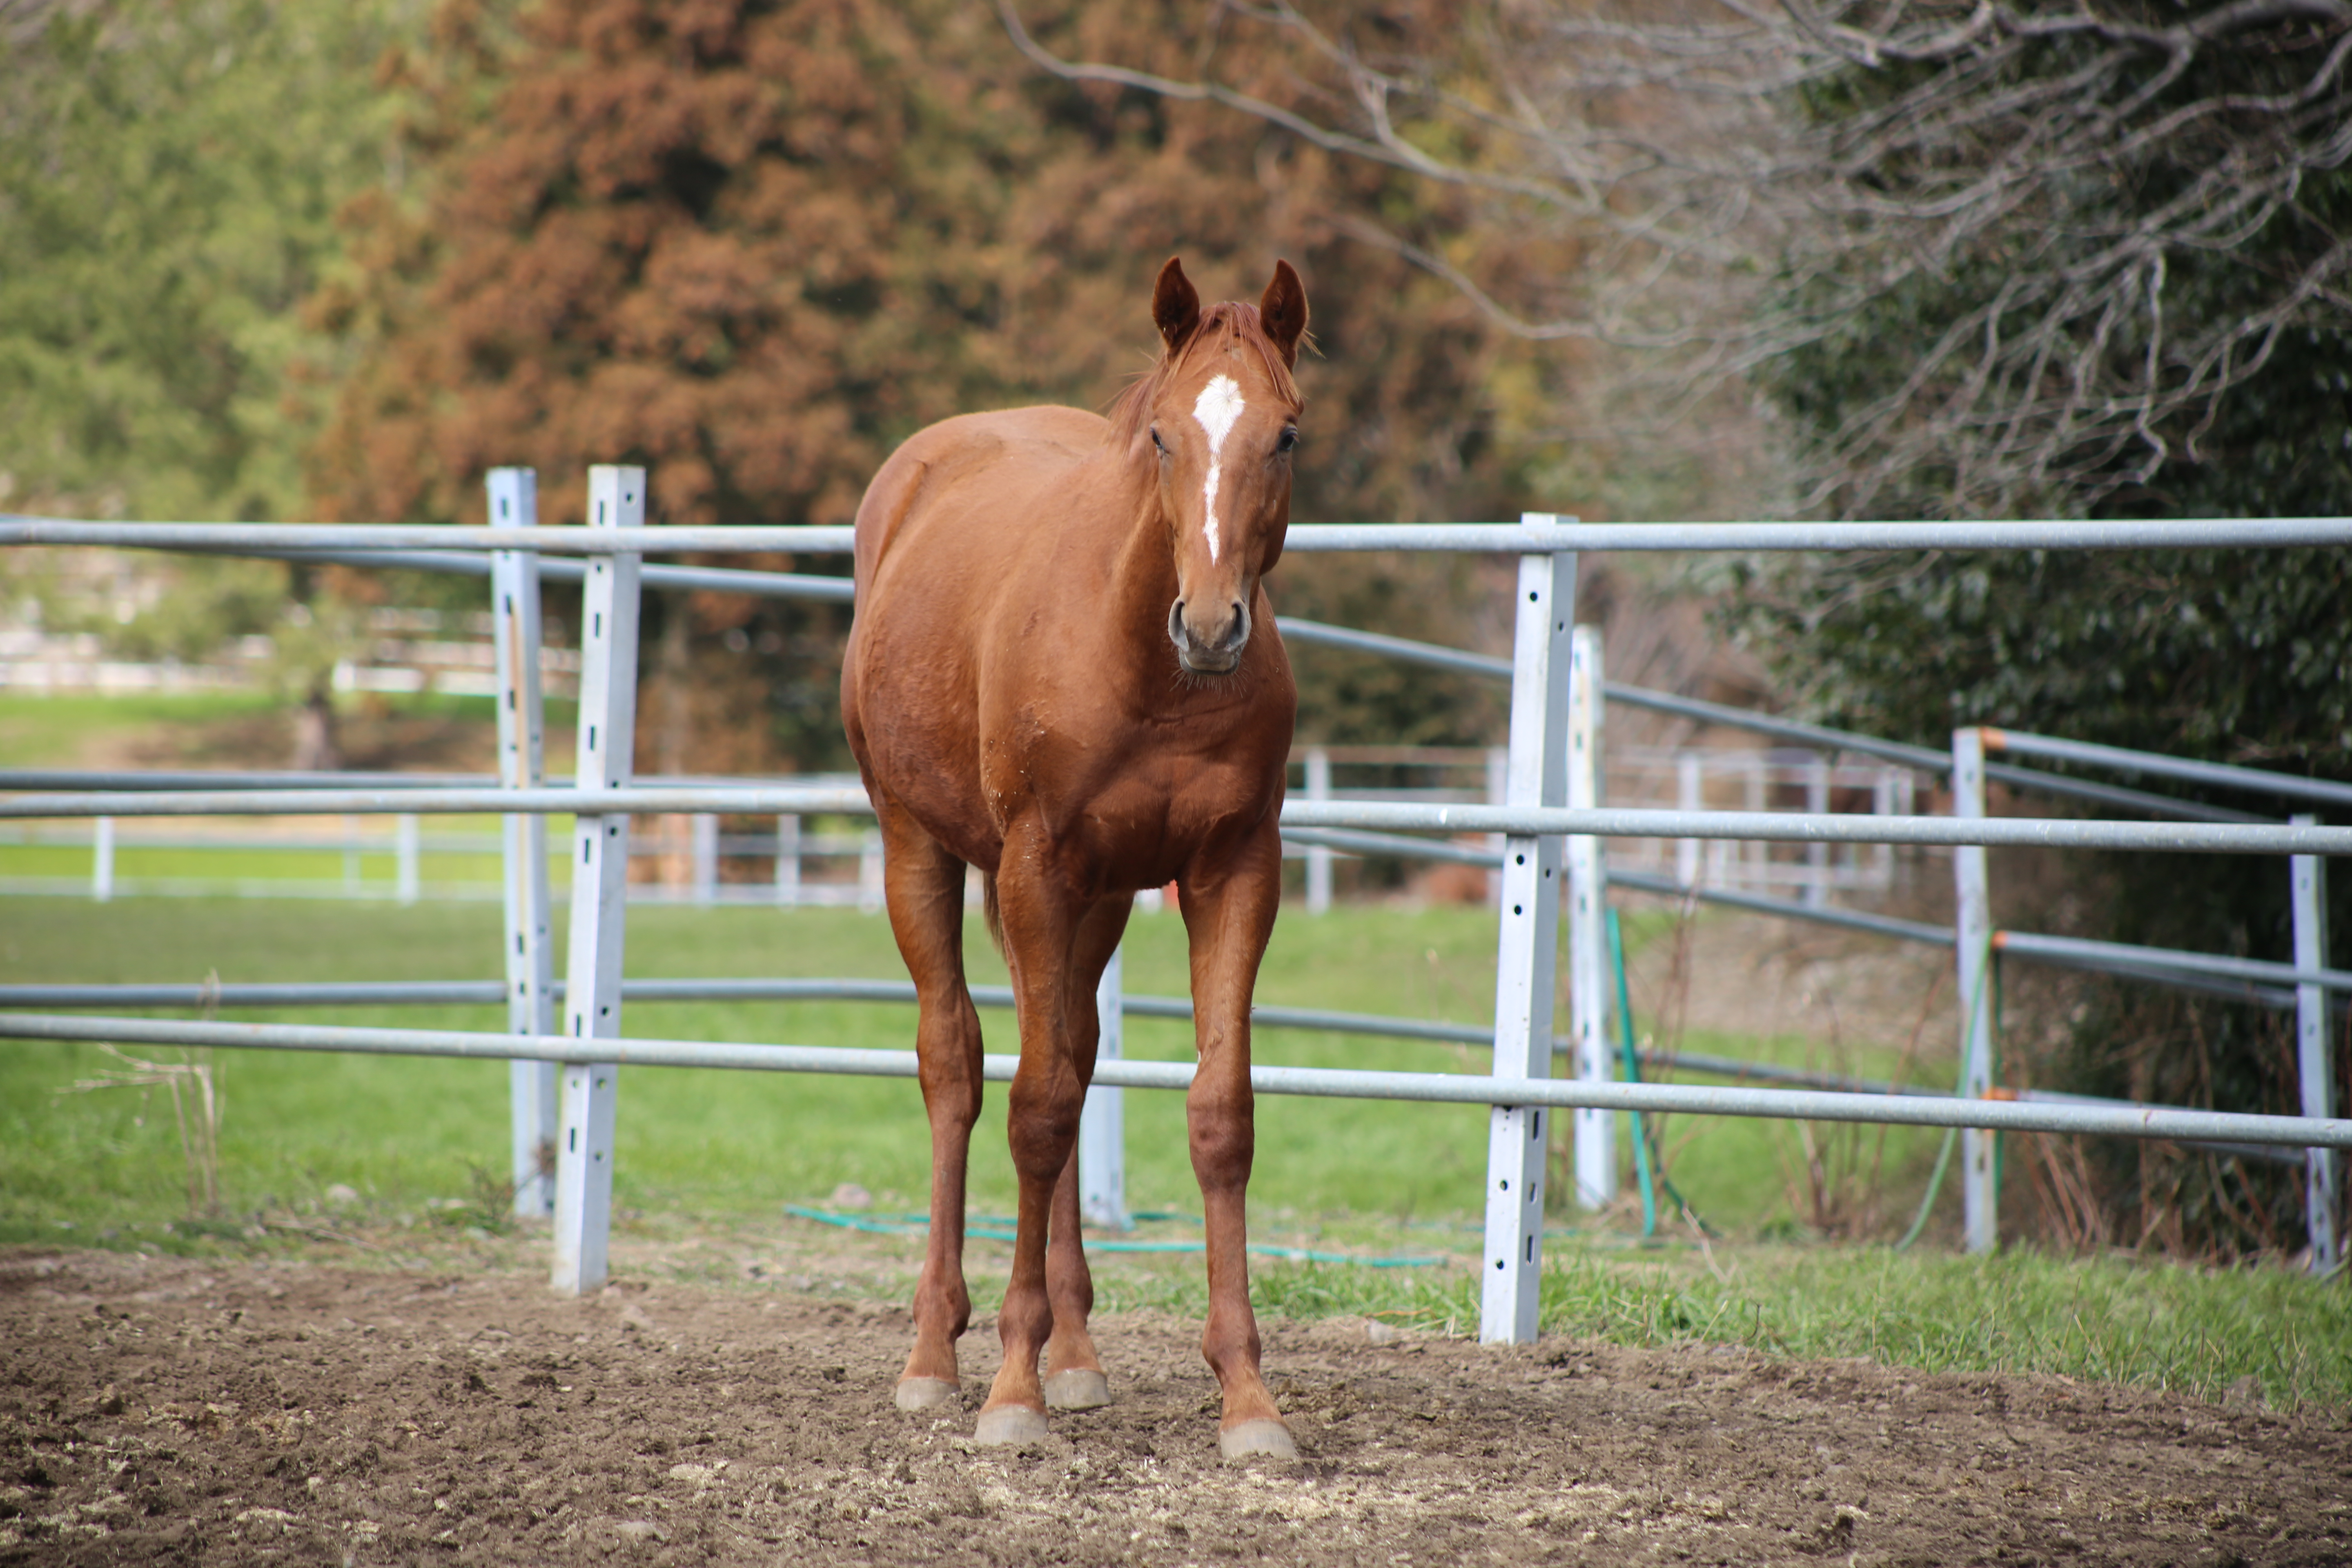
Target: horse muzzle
[{"x": 1215, "y": 650}]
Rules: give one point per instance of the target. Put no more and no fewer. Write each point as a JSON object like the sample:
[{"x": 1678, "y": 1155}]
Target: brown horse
[{"x": 1064, "y": 671}]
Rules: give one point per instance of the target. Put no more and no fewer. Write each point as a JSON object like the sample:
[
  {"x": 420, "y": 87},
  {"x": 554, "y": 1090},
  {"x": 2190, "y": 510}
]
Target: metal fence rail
[
  {"x": 2258, "y": 781},
  {"x": 1472, "y": 538},
  {"x": 1384, "y": 816},
  {"x": 1444, "y": 1088}
]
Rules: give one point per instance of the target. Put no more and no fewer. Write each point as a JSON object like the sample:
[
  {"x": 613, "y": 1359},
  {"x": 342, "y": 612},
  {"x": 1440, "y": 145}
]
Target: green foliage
[
  {"x": 169, "y": 180},
  {"x": 2234, "y": 656}
]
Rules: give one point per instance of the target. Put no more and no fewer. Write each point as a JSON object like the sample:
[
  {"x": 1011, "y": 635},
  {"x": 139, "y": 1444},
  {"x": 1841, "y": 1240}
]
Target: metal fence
[{"x": 1549, "y": 822}]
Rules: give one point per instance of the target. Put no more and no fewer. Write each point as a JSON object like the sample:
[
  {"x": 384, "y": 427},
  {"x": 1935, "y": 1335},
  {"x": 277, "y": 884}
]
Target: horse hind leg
[
  {"x": 1074, "y": 1378},
  {"x": 923, "y": 885}
]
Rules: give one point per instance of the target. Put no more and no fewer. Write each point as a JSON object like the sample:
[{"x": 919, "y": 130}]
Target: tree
[
  {"x": 753, "y": 246},
  {"x": 2046, "y": 196},
  {"x": 169, "y": 181}
]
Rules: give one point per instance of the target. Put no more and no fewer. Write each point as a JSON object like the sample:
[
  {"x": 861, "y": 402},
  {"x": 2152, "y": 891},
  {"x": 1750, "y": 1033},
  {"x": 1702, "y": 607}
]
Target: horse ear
[
  {"x": 1175, "y": 305},
  {"x": 1283, "y": 312}
]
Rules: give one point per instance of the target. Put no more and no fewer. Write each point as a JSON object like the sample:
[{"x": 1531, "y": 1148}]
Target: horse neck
[{"x": 1143, "y": 573}]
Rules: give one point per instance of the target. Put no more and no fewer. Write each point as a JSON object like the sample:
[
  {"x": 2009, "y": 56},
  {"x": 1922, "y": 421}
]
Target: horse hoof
[
  {"x": 1260, "y": 1439},
  {"x": 1010, "y": 1425},
  {"x": 1080, "y": 1388},
  {"x": 925, "y": 1393}
]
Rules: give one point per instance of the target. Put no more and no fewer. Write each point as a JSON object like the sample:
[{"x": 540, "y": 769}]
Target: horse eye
[
  {"x": 1156, "y": 442},
  {"x": 1288, "y": 441}
]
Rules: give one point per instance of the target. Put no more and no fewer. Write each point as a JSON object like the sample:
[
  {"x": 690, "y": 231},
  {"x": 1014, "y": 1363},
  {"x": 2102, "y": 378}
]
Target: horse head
[{"x": 1220, "y": 412}]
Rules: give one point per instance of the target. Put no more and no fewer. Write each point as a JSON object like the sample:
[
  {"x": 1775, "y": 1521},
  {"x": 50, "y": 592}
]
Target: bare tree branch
[{"x": 1747, "y": 178}]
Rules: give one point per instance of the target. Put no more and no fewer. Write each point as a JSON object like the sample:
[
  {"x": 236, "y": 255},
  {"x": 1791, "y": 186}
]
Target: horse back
[{"x": 982, "y": 489}]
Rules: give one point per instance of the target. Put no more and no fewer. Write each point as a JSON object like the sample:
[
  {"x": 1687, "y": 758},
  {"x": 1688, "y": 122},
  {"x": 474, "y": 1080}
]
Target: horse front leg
[
  {"x": 1075, "y": 1378},
  {"x": 1041, "y": 923},
  {"x": 1228, "y": 915}
]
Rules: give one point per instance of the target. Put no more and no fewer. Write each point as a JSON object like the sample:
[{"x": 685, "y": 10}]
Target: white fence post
[
  {"x": 869, "y": 872},
  {"x": 2323, "y": 1184},
  {"x": 1318, "y": 857},
  {"x": 1882, "y": 804},
  {"x": 1537, "y": 775},
  {"x": 600, "y": 881},
  {"x": 788, "y": 860},
  {"x": 1979, "y": 1186},
  {"x": 1817, "y": 856},
  {"x": 1588, "y": 987},
  {"x": 1102, "y": 1123},
  {"x": 516, "y": 637},
  {"x": 704, "y": 829},
  {"x": 102, "y": 859},
  {"x": 407, "y": 879},
  {"x": 1498, "y": 777},
  {"x": 1690, "y": 794}
]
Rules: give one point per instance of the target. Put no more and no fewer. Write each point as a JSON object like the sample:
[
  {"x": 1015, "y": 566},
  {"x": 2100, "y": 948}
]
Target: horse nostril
[
  {"x": 1238, "y": 628},
  {"x": 1176, "y": 625}
]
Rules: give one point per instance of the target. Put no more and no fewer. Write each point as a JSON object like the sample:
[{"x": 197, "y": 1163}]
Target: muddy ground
[{"x": 156, "y": 1409}]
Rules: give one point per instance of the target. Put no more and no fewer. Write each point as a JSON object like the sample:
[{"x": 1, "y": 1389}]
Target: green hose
[
  {"x": 1632, "y": 1075},
  {"x": 1961, "y": 1087}
]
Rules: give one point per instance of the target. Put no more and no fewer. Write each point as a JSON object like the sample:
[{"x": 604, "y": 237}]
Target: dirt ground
[{"x": 157, "y": 1409}]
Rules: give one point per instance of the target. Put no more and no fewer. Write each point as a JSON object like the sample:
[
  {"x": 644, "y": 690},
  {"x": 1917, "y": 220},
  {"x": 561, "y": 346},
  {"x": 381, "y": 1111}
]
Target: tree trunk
[{"x": 315, "y": 749}]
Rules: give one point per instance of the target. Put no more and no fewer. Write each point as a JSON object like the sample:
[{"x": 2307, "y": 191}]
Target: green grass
[
  {"x": 729, "y": 1143},
  {"x": 423, "y": 1141},
  {"x": 2115, "y": 1320},
  {"x": 56, "y": 732}
]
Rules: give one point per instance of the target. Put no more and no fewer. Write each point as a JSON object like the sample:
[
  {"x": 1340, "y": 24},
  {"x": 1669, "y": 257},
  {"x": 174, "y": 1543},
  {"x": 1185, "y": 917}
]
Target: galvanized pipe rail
[
  {"x": 1175, "y": 1009},
  {"x": 2119, "y": 759},
  {"x": 1386, "y": 816},
  {"x": 1444, "y": 1089},
  {"x": 1817, "y": 736},
  {"x": 1477, "y": 538}
]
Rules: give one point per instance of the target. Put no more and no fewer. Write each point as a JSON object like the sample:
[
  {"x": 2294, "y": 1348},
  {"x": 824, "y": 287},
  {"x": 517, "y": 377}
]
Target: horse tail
[{"x": 992, "y": 910}]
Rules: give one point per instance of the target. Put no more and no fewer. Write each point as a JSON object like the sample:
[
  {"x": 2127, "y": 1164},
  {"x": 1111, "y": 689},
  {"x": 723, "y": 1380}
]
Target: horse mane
[{"x": 1221, "y": 326}]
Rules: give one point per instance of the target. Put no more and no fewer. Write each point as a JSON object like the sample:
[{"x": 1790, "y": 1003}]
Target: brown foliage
[{"x": 753, "y": 246}]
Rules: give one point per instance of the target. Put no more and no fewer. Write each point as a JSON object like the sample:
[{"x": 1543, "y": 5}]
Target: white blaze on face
[{"x": 1217, "y": 408}]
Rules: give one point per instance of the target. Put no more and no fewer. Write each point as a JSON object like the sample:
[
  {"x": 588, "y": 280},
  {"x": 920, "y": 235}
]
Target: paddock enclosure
[
  {"x": 1549, "y": 827},
  {"x": 167, "y": 1410}
]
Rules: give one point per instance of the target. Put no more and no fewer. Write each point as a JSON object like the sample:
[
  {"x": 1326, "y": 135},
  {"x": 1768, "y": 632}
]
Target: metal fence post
[
  {"x": 1588, "y": 936},
  {"x": 869, "y": 872},
  {"x": 1817, "y": 856},
  {"x": 788, "y": 860},
  {"x": 102, "y": 859},
  {"x": 1498, "y": 774},
  {"x": 407, "y": 874},
  {"x": 1979, "y": 1188},
  {"x": 1882, "y": 804},
  {"x": 2323, "y": 1175},
  {"x": 1690, "y": 794},
  {"x": 1102, "y": 1124},
  {"x": 1318, "y": 857},
  {"x": 600, "y": 880},
  {"x": 1537, "y": 774},
  {"x": 516, "y": 637},
  {"x": 703, "y": 827}
]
